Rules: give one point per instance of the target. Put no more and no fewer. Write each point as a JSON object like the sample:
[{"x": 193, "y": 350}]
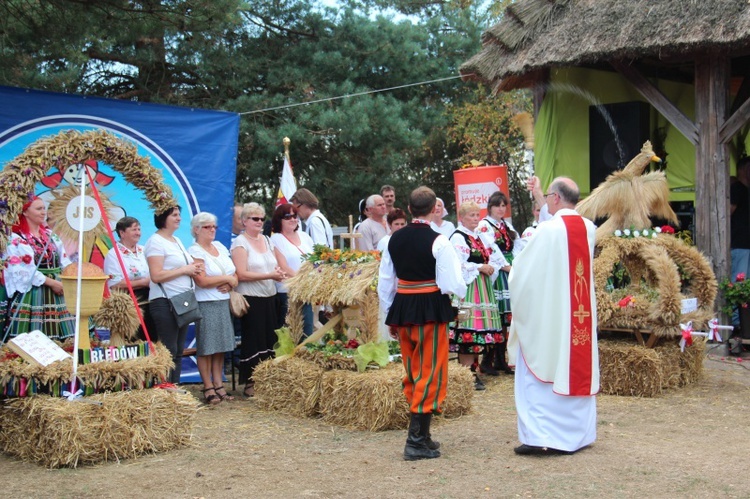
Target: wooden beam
[
  {"x": 739, "y": 119},
  {"x": 711, "y": 165},
  {"x": 657, "y": 99}
]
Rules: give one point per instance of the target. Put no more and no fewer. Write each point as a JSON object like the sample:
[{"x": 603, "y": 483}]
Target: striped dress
[
  {"x": 484, "y": 325},
  {"x": 502, "y": 236}
]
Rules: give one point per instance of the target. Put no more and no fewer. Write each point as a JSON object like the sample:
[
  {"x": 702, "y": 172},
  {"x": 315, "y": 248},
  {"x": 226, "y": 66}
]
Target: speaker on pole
[{"x": 616, "y": 134}]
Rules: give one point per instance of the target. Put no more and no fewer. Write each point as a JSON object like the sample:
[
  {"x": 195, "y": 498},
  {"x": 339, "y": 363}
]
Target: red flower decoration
[
  {"x": 740, "y": 277},
  {"x": 466, "y": 337},
  {"x": 667, "y": 229},
  {"x": 26, "y": 259}
]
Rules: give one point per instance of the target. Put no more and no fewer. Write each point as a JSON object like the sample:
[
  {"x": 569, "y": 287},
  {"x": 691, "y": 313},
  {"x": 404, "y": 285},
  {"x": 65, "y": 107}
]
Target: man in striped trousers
[{"x": 418, "y": 271}]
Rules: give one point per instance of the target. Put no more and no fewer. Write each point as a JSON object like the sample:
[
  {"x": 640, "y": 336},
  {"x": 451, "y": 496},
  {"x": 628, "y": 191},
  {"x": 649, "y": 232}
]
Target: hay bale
[
  {"x": 374, "y": 400},
  {"x": 634, "y": 370},
  {"x": 682, "y": 368},
  {"x": 460, "y": 391},
  {"x": 291, "y": 385},
  {"x": 629, "y": 369},
  {"x": 97, "y": 377},
  {"x": 55, "y": 432}
]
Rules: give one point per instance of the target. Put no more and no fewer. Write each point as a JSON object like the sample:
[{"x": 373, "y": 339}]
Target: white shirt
[
  {"x": 215, "y": 266},
  {"x": 295, "y": 255},
  {"x": 446, "y": 228},
  {"x": 262, "y": 263},
  {"x": 470, "y": 270},
  {"x": 319, "y": 229},
  {"x": 20, "y": 271},
  {"x": 135, "y": 264},
  {"x": 175, "y": 256},
  {"x": 447, "y": 273},
  {"x": 383, "y": 243}
]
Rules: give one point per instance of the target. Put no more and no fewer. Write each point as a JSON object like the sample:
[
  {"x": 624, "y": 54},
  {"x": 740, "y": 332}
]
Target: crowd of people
[{"x": 442, "y": 288}]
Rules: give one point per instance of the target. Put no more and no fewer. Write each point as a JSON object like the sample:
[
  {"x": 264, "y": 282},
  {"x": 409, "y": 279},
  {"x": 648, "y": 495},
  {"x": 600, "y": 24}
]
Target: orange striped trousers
[{"x": 424, "y": 351}]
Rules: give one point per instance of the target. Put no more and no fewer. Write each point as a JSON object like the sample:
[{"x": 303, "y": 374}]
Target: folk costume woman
[
  {"x": 493, "y": 229},
  {"x": 34, "y": 259},
  {"x": 480, "y": 265}
]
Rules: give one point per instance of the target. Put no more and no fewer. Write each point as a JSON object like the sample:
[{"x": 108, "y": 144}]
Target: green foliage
[
  {"x": 736, "y": 294},
  {"x": 484, "y": 129}
]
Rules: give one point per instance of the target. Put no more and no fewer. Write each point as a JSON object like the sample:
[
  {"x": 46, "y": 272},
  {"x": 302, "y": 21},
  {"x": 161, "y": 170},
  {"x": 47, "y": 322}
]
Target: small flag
[{"x": 288, "y": 185}]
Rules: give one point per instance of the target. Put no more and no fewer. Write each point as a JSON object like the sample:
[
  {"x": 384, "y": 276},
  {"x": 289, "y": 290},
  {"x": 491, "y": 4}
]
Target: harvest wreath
[
  {"x": 120, "y": 419},
  {"x": 648, "y": 282}
]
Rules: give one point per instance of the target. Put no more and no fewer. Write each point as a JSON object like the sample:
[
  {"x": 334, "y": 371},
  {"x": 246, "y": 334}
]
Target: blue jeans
[{"x": 740, "y": 263}]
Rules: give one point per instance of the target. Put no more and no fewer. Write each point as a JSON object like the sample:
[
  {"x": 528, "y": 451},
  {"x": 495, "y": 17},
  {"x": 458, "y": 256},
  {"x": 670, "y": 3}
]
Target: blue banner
[{"x": 195, "y": 149}]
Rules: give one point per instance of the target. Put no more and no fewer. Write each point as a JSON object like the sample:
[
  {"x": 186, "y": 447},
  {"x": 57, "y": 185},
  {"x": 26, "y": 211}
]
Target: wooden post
[{"x": 711, "y": 161}]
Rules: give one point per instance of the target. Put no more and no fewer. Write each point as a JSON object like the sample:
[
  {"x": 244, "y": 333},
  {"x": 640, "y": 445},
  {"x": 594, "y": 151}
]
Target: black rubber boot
[
  {"x": 416, "y": 442},
  {"x": 485, "y": 367},
  {"x": 424, "y": 424},
  {"x": 500, "y": 363}
]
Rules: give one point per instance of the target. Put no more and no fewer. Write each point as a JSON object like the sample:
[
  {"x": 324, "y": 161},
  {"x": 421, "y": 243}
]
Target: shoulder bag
[{"x": 184, "y": 305}]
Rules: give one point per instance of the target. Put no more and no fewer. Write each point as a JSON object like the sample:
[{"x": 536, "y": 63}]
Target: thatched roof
[{"x": 538, "y": 34}]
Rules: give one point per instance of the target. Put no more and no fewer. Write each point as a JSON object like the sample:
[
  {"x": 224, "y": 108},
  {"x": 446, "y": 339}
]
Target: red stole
[{"x": 581, "y": 330}]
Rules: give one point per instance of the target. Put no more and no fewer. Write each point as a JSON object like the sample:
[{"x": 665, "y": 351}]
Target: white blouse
[
  {"x": 215, "y": 266},
  {"x": 135, "y": 264},
  {"x": 262, "y": 263},
  {"x": 470, "y": 270}
]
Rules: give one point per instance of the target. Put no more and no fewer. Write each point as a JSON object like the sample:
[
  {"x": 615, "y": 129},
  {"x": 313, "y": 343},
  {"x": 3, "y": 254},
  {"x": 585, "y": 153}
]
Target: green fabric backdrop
[{"x": 562, "y": 129}]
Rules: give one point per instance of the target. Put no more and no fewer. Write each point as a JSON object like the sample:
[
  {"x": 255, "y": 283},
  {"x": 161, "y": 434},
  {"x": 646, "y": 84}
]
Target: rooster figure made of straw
[{"x": 627, "y": 198}]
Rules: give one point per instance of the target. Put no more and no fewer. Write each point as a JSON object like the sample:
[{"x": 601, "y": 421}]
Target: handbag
[
  {"x": 238, "y": 305},
  {"x": 184, "y": 307}
]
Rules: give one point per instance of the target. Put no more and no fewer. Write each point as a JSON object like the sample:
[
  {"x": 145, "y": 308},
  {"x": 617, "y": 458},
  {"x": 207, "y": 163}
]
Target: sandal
[
  {"x": 211, "y": 399},
  {"x": 249, "y": 390},
  {"x": 225, "y": 395}
]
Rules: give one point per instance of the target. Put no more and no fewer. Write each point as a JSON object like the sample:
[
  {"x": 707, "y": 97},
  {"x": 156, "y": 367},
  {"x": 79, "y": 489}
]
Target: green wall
[{"x": 562, "y": 129}]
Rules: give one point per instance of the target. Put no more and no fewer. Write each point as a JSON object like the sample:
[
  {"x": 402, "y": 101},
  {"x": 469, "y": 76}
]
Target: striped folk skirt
[
  {"x": 484, "y": 325},
  {"x": 41, "y": 309}
]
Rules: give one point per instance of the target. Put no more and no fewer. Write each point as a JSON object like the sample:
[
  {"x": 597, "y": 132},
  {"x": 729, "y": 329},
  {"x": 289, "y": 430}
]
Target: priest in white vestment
[{"x": 553, "y": 333}]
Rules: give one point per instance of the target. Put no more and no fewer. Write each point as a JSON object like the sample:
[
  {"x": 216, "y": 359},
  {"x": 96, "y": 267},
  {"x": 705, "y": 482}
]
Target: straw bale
[
  {"x": 374, "y": 400},
  {"x": 634, "y": 370},
  {"x": 55, "y": 432},
  {"x": 132, "y": 373},
  {"x": 291, "y": 386},
  {"x": 334, "y": 284},
  {"x": 628, "y": 369}
]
